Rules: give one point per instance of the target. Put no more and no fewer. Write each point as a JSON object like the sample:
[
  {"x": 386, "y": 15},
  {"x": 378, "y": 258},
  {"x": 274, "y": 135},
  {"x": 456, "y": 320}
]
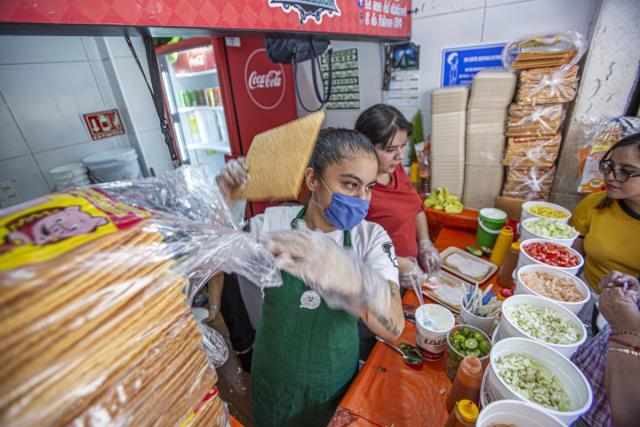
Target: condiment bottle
[
  {"x": 501, "y": 247},
  {"x": 505, "y": 275},
  {"x": 464, "y": 414},
  {"x": 467, "y": 382}
]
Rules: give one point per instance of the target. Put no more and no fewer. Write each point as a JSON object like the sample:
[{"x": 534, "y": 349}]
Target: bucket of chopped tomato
[{"x": 545, "y": 252}]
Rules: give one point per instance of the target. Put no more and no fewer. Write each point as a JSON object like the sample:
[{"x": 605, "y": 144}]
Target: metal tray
[
  {"x": 450, "y": 277},
  {"x": 474, "y": 280}
]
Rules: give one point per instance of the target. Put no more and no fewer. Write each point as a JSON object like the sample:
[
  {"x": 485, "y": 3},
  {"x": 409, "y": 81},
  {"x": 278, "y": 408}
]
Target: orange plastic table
[
  {"x": 386, "y": 392},
  {"x": 439, "y": 220}
]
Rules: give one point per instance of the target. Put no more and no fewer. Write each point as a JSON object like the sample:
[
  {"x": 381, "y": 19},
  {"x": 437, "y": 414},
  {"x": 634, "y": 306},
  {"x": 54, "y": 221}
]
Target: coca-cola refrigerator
[{"x": 220, "y": 93}]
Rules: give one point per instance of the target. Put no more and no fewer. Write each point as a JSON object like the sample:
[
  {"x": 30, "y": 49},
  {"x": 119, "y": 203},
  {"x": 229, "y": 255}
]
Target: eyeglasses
[{"x": 620, "y": 175}]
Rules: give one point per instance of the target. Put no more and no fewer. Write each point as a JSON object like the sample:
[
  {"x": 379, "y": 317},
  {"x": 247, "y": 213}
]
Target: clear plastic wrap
[
  {"x": 544, "y": 50},
  {"x": 528, "y": 121},
  {"x": 96, "y": 327},
  {"x": 600, "y": 135},
  {"x": 548, "y": 85},
  {"x": 528, "y": 183},
  {"x": 532, "y": 152}
]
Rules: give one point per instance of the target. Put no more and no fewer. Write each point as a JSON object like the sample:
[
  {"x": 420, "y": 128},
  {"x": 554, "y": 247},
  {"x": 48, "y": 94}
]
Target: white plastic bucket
[
  {"x": 509, "y": 329},
  {"x": 485, "y": 324},
  {"x": 523, "y": 289},
  {"x": 432, "y": 343},
  {"x": 70, "y": 175},
  {"x": 515, "y": 412},
  {"x": 113, "y": 165},
  {"x": 573, "y": 381},
  {"x": 526, "y": 234},
  {"x": 526, "y": 213},
  {"x": 525, "y": 259}
]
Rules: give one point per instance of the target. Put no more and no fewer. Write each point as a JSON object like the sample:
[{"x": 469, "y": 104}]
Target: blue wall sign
[{"x": 460, "y": 64}]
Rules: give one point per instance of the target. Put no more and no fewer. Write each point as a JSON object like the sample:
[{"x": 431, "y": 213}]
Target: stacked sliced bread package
[
  {"x": 491, "y": 93},
  {"x": 95, "y": 284},
  {"x": 448, "y": 122},
  {"x": 548, "y": 80}
]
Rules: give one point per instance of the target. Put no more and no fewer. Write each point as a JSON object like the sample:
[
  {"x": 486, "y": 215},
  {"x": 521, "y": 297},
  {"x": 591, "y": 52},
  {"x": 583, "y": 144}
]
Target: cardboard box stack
[
  {"x": 448, "y": 119},
  {"x": 491, "y": 93}
]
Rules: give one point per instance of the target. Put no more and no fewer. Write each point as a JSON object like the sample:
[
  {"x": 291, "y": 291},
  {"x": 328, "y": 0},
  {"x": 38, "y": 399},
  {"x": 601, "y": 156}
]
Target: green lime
[
  {"x": 475, "y": 353},
  {"x": 478, "y": 336},
  {"x": 484, "y": 347},
  {"x": 471, "y": 344},
  {"x": 466, "y": 331}
]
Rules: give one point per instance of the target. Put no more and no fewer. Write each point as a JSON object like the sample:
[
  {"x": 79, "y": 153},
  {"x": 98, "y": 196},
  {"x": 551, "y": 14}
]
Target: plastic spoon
[{"x": 410, "y": 354}]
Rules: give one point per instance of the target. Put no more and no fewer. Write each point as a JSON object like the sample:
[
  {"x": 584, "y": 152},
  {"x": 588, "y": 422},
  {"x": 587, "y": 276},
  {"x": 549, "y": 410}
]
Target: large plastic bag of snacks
[
  {"x": 544, "y": 50},
  {"x": 600, "y": 136},
  {"x": 532, "y": 152},
  {"x": 548, "y": 85},
  {"x": 529, "y": 121},
  {"x": 528, "y": 183},
  {"x": 96, "y": 327}
]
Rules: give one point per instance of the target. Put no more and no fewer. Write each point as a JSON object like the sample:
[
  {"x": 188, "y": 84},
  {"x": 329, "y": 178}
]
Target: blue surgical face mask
[{"x": 344, "y": 212}]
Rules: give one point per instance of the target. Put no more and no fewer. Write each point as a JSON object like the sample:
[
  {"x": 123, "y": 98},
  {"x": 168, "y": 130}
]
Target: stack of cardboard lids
[
  {"x": 491, "y": 93},
  {"x": 448, "y": 117}
]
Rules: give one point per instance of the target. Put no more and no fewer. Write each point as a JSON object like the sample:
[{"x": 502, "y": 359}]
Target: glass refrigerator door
[{"x": 190, "y": 80}]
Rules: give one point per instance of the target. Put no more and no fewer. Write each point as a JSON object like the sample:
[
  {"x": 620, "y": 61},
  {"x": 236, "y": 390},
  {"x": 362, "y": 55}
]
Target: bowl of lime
[{"x": 466, "y": 340}]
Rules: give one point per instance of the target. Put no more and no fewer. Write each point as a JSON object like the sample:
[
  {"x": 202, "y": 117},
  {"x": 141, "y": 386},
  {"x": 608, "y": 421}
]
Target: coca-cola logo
[
  {"x": 196, "y": 60},
  {"x": 272, "y": 79},
  {"x": 265, "y": 81}
]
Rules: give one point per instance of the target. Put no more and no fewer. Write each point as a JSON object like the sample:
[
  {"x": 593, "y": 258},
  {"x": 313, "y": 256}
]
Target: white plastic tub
[
  {"x": 526, "y": 213},
  {"x": 113, "y": 165},
  {"x": 574, "y": 307},
  {"x": 70, "y": 175},
  {"x": 525, "y": 259},
  {"x": 526, "y": 234},
  {"x": 515, "y": 412},
  {"x": 573, "y": 381},
  {"x": 509, "y": 329}
]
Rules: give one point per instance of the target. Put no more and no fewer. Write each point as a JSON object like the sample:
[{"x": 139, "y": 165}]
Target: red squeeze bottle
[{"x": 467, "y": 382}]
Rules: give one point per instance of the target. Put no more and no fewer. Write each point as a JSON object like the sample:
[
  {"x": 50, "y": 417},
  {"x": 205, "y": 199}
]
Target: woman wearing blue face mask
[{"x": 336, "y": 268}]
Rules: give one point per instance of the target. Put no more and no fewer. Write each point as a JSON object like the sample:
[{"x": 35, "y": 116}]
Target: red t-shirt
[{"x": 395, "y": 207}]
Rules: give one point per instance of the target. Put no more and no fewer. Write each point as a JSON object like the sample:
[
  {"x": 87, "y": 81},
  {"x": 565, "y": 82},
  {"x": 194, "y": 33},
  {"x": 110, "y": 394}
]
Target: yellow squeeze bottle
[{"x": 502, "y": 245}]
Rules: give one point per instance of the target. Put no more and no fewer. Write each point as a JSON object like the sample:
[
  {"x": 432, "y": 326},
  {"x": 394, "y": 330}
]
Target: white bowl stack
[
  {"x": 70, "y": 175},
  {"x": 576, "y": 385},
  {"x": 523, "y": 289},
  {"x": 509, "y": 329}
]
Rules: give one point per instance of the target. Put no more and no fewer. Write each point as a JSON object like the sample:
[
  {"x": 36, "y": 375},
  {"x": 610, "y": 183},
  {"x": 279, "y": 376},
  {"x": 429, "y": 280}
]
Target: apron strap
[{"x": 346, "y": 236}]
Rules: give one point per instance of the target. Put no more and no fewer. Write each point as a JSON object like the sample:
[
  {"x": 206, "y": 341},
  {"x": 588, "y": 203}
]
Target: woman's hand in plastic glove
[
  {"x": 429, "y": 257},
  {"x": 234, "y": 175},
  {"x": 329, "y": 269},
  {"x": 414, "y": 278},
  {"x": 618, "y": 302}
]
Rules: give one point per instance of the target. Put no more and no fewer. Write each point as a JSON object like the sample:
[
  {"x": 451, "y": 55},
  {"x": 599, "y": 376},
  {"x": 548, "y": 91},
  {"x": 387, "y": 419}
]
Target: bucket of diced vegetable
[
  {"x": 515, "y": 413},
  {"x": 529, "y": 371},
  {"x": 466, "y": 340},
  {"x": 561, "y": 287},
  {"x": 546, "y": 252},
  {"x": 540, "y": 319},
  {"x": 545, "y": 210},
  {"x": 556, "y": 231}
]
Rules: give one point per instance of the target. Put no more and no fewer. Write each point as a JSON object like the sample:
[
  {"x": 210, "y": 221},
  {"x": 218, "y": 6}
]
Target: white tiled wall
[
  {"x": 439, "y": 24},
  {"x": 47, "y": 83}
]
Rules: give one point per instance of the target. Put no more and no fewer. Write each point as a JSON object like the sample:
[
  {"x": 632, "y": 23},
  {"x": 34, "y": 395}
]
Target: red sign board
[
  {"x": 375, "y": 18},
  {"x": 103, "y": 124}
]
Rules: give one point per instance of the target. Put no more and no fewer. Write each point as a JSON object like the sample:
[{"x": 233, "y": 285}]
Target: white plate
[{"x": 491, "y": 268}]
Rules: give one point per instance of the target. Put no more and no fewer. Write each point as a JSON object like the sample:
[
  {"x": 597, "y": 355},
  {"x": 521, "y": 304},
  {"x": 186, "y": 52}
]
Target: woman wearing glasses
[{"x": 609, "y": 222}]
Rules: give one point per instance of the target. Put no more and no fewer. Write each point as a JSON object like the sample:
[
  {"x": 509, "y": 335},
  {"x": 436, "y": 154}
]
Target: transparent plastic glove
[
  {"x": 234, "y": 175},
  {"x": 341, "y": 278},
  {"x": 429, "y": 257},
  {"x": 414, "y": 278}
]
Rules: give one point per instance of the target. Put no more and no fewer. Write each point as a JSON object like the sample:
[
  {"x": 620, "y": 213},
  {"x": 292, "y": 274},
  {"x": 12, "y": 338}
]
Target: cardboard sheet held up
[{"x": 278, "y": 158}]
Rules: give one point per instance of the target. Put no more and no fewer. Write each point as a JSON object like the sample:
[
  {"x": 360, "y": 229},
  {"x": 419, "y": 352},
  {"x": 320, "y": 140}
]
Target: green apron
[{"x": 303, "y": 359}]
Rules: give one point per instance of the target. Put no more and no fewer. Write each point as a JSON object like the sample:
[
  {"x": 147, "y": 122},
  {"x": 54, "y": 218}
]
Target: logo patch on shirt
[{"x": 387, "y": 247}]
